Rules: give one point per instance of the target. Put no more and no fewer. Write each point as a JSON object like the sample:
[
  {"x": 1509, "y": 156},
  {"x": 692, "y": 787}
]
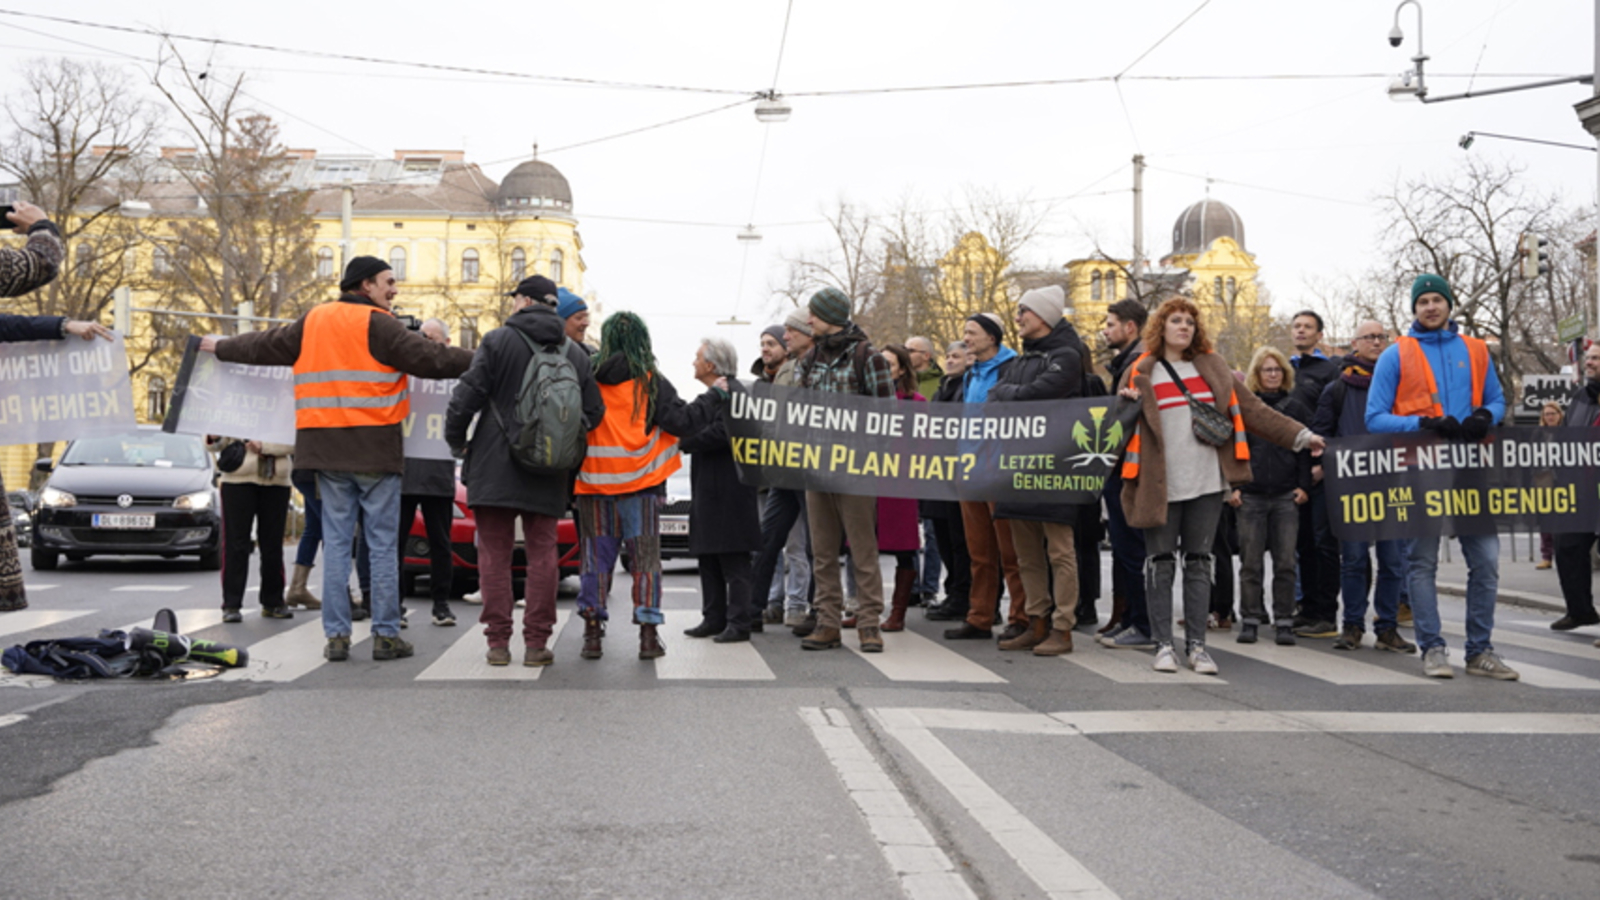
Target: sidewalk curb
[{"x": 1513, "y": 598}]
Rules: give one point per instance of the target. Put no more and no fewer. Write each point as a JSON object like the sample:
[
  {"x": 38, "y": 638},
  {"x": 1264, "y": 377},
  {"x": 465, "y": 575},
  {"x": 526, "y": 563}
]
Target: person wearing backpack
[{"x": 532, "y": 386}]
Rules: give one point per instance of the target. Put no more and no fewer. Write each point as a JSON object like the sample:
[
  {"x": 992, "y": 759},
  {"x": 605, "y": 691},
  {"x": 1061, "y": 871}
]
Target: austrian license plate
[
  {"x": 124, "y": 522},
  {"x": 672, "y": 526}
]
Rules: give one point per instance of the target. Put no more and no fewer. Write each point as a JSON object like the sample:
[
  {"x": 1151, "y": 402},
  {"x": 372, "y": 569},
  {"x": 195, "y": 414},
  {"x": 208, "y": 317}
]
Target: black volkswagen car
[{"x": 142, "y": 493}]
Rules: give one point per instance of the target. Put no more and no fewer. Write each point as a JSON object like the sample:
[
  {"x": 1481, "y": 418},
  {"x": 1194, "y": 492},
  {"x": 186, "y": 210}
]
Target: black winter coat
[
  {"x": 492, "y": 479},
  {"x": 1273, "y": 469},
  {"x": 950, "y": 388},
  {"x": 31, "y": 328},
  {"x": 724, "y": 514},
  {"x": 1311, "y": 375},
  {"x": 1050, "y": 368}
]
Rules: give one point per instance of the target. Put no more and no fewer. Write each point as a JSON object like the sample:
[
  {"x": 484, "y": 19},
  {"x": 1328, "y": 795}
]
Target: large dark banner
[
  {"x": 1055, "y": 451},
  {"x": 1387, "y": 486}
]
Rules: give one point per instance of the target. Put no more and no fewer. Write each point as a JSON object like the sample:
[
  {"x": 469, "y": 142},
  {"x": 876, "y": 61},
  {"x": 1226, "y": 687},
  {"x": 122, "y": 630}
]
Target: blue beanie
[
  {"x": 1431, "y": 284},
  {"x": 569, "y": 303}
]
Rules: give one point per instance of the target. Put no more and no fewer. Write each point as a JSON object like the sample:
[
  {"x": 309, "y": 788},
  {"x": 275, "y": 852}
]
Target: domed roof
[
  {"x": 535, "y": 183},
  {"x": 1203, "y": 223}
]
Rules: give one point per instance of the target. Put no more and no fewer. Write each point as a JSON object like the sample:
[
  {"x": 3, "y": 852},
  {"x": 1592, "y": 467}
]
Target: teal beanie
[{"x": 1431, "y": 284}]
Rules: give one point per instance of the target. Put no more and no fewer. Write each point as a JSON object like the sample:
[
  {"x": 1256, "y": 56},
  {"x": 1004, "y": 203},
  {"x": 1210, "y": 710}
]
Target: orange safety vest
[
  {"x": 1417, "y": 393},
  {"x": 623, "y": 457},
  {"x": 337, "y": 383},
  {"x": 1241, "y": 444}
]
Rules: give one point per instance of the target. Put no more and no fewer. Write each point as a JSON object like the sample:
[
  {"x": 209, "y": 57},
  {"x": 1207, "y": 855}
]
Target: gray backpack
[{"x": 547, "y": 434}]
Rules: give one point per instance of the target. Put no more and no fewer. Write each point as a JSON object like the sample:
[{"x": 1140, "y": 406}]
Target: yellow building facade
[{"x": 457, "y": 241}]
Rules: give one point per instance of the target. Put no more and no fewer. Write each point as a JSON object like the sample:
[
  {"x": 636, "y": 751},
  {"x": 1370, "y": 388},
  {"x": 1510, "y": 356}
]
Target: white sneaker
[
  {"x": 1436, "y": 663},
  {"x": 1490, "y": 665},
  {"x": 1200, "y": 661},
  {"x": 1166, "y": 660},
  {"x": 476, "y": 597}
]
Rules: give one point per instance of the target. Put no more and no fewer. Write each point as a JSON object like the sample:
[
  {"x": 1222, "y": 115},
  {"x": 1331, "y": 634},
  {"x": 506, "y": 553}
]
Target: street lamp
[
  {"x": 749, "y": 235},
  {"x": 1409, "y": 83},
  {"x": 772, "y": 108}
]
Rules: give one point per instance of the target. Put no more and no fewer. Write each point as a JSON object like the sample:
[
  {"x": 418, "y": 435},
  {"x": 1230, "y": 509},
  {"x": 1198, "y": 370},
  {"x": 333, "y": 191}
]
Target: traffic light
[{"x": 1535, "y": 259}]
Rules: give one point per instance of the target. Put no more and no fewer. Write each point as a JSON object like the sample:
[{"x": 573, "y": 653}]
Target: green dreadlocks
[{"x": 626, "y": 333}]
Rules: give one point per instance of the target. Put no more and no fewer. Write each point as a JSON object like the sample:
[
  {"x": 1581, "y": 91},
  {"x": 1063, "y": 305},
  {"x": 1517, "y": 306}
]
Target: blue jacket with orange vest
[{"x": 1450, "y": 360}]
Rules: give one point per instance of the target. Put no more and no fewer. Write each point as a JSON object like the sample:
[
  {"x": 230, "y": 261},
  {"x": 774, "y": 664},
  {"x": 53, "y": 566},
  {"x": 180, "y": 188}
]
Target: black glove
[
  {"x": 1447, "y": 427},
  {"x": 1477, "y": 425}
]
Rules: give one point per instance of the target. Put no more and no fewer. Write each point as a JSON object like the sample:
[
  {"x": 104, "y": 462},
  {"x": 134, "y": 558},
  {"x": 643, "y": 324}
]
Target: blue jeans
[
  {"x": 374, "y": 499},
  {"x": 305, "y": 481},
  {"x": 928, "y": 583},
  {"x": 1355, "y": 572},
  {"x": 1482, "y": 553},
  {"x": 1127, "y": 558}
]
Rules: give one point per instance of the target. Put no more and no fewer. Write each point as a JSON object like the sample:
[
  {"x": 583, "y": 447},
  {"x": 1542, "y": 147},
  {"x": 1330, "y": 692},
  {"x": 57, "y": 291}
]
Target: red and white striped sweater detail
[{"x": 1168, "y": 396}]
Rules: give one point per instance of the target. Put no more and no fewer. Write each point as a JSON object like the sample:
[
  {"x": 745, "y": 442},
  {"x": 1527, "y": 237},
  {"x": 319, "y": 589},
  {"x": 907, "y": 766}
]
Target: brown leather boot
[
  {"x": 822, "y": 638},
  {"x": 650, "y": 643},
  {"x": 904, "y": 580},
  {"x": 1038, "y": 630},
  {"x": 1119, "y": 608},
  {"x": 299, "y": 594},
  {"x": 594, "y": 632},
  {"x": 1058, "y": 643}
]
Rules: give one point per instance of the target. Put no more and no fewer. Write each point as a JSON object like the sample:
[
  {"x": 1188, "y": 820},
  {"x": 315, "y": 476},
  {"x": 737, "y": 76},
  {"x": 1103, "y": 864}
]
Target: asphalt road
[{"x": 758, "y": 770}]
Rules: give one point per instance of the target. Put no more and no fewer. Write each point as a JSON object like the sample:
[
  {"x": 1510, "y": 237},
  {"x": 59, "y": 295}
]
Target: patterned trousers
[{"x": 606, "y": 526}]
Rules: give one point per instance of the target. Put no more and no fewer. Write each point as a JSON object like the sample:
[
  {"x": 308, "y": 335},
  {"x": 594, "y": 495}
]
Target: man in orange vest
[
  {"x": 351, "y": 358},
  {"x": 1437, "y": 379}
]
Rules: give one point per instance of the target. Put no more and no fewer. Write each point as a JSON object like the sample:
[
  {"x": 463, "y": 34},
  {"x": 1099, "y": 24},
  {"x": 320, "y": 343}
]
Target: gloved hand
[
  {"x": 1447, "y": 427},
  {"x": 1477, "y": 425}
]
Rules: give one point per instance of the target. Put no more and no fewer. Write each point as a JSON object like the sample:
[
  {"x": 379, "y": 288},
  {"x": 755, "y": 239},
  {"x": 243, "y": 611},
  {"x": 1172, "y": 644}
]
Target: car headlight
[
  {"x": 51, "y": 498},
  {"x": 196, "y": 501}
]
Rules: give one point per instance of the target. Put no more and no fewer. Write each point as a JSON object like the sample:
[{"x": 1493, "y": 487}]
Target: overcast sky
[{"x": 1300, "y": 159}]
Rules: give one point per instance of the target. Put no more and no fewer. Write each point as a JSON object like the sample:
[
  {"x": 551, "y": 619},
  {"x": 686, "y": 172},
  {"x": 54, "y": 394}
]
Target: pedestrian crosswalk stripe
[
  {"x": 908, "y": 656},
  {"x": 1132, "y": 667},
  {"x": 701, "y": 659},
  {"x": 1077, "y": 723},
  {"x": 35, "y": 588},
  {"x": 29, "y": 619},
  {"x": 1503, "y": 637},
  {"x": 1323, "y": 665},
  {"x": 150, "y": 588},
  {"x": 1543, "y": 677},
  {"x": 293, "y": 653},
  {"x": 465, "y": 659},
  {"x": 189, "y": 620}
]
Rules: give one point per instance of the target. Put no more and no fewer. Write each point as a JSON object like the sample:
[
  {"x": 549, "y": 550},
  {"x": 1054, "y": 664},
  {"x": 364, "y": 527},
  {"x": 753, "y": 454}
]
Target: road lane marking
[
  {"x": 189, "y": 620},
  {"x": 701, "y": 659},
  {"x": 1056, "y": 871},
  {"x": 1211, "y": 721},
  {"x": 1323, "y": 665},
  {"x": 464, "y": 660},
  {"x": 33, "y": 588},
  {"x": 1555, "y": 679},
  {"x": 924, "y": 870},
  {"x": 12, "y": 719},
  {"x": 151, "y": 588},
  {"x": 293, "y": 653},
  {"x": 29, "y": 619},
  {"x": 1581, "y": 648},
  {"x": 1131, "y": 667},
  {"x": 908, "y": 656}
]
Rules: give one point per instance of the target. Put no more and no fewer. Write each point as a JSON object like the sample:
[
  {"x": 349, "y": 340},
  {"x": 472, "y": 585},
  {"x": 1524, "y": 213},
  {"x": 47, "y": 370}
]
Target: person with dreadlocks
[{"x": 620, "y": 487}]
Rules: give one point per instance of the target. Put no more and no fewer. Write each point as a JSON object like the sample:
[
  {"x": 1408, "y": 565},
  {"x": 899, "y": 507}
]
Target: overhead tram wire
[
  {"x": 1263, "y": 188},
  {"x": 1116, "y": 80}
]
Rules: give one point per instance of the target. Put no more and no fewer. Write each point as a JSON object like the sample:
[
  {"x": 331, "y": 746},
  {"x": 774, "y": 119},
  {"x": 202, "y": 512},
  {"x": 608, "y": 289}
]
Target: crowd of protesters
[{"x": 1190, "y": 491}]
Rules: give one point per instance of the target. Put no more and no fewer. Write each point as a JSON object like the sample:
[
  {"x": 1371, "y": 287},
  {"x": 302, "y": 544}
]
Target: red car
[{"x": 463, "y": 529}]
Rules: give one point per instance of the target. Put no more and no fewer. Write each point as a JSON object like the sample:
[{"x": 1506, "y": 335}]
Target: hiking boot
[
  {"x": 1320, "y": 628},
  {"x": 1403, "y": 615},
  {"x": 1392, "y": 641},
  {"x": 1166, "y": 660},
  {"x": 1436, "y": 663},
  {"x": 871, "y": 640},
  {"x": 594, "y": 632},
  {"x": 1543, "y": 564},
  {"x": 1058, "y": 643},
  {"x": 537, "y": 656},
  {"x": 232, "y": 615},
  {"x": 1247, "y": 632},
  {"x": 299, "y": 594},
  {"x": 806, "y": 626},
  {"x": 822, "y": 638},
  {"x": 338, "y": 649},
  {"x": 276, "y": 612},
  {"x": 1490, "y": 665},
  {"x": 390, "y": 648},
  {"x": 1349, "y": 638},
  {"x": 794, "y": 618},
  {"x": 499, "y": 656},
  {"x": 772, "y": 615},
  {"x": 1132, "y": 638},
  {"x": 650, "y": 646},
  {"x": 1285, "y": 636},
  {"x": 1037, "y": 632},
  {"x": 1200, "y": 661},
  {"x": 967, "y": 633},
  {"x": 1013, "y": 630},
  {"x": 1570, "y": 621}
]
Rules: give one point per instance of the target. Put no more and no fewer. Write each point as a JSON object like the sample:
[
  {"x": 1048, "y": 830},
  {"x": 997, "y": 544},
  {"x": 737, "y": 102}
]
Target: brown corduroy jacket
[{"x": 1144, "y": 499}]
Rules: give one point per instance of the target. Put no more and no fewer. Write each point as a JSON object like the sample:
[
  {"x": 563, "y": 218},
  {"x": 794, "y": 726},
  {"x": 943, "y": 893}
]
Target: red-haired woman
[{"x": 1173, "y": 483}]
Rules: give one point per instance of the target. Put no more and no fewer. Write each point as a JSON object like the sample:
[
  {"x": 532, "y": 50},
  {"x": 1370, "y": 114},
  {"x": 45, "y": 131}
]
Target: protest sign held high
[
  {"x": 1388, "y": 486},
  {"x": 1048, "y": 451},
  {"x": 62, "y": 390},
  {"x": 257, "y": 402}
]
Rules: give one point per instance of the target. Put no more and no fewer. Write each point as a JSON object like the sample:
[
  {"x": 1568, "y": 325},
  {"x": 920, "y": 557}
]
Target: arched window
[
  {"x": 155, "y": 399},
  {"x": 325, "y": 263},
  {"x": 1111, "y": 287},
  {"x": 469, "y": 266},
  {"x": 1216, "y": 289},
  {"x": 161, "y": 262},
  {"x": 519, "y": 264},
  {"x": 556, "y": 260},
  {"x": 1233, "y": 289},
  {"x": 397, "y": 262},
  {"x": 85, "y": 259},
  {"x": 1094, "y": 286}
]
